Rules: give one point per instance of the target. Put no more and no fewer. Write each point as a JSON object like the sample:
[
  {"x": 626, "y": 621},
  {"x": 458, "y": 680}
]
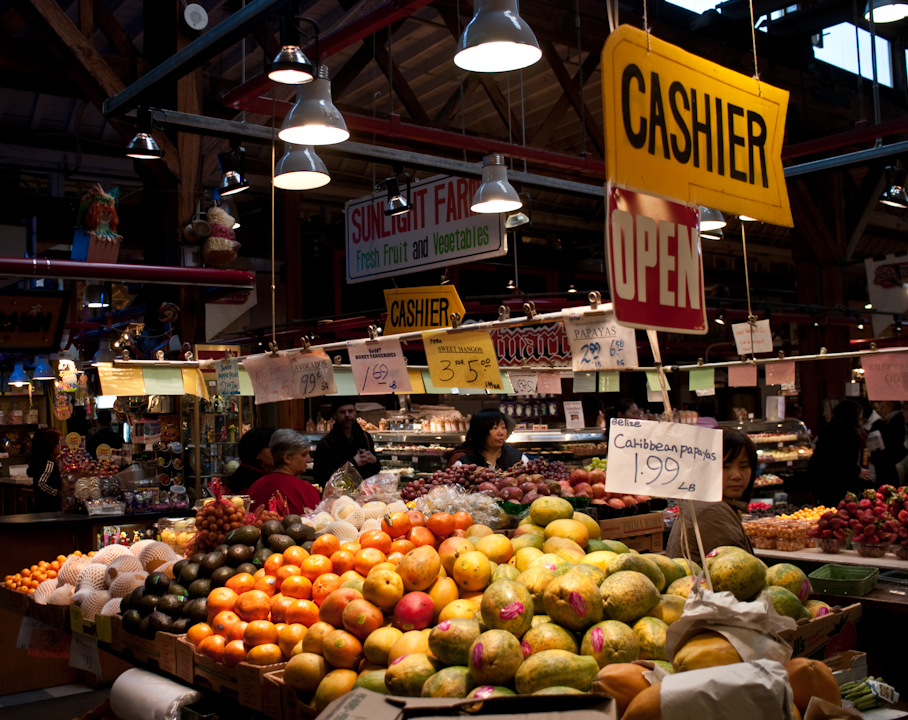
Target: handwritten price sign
[
  {"x": 272, "y": 377},
  {"x": 886, "y": 376},
  {"x": 313, "y": 374},
  {"x": 462, "y": 359},
  {"x": 751, "y": 339},
  {"x": 598, "y": 342},
  {"x": 228, "y": 377},
  {"x": 378, "y": 366},
  {"x": 524, "y": 383},
  {"x": 664, "y": 460}
]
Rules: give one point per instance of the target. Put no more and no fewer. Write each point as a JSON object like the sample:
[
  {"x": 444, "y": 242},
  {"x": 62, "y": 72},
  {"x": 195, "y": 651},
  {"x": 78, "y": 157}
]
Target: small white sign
[
  {"x": 378, "y": 366},
  {"x": 548, "y": 383},
  {"x": 751, "y": 339},
  {"x": 83, "y": 654},
  {"x": 573, "y": 414},
  {"x": 271, "y": 376},
  {"x": 668, "y": 460},
  {"x": 524, "y": 383},
  {"x": 313, "y": 374},
  {"x": 598, "y": 342},
  {"x": 228, "y": 382}
]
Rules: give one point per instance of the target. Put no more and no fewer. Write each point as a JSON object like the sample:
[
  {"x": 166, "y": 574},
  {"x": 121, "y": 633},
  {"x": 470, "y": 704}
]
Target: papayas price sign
[
  {"x": 685, "y": 128},
  {"x": 655, "y": 265}
]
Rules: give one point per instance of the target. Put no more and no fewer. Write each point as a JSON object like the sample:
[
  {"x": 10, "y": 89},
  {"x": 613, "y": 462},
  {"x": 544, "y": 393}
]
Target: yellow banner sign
[
  {"x": 421, "y": 308},
  {"x": 687, "y": 129},
  {"x": 462, "y": 359}
]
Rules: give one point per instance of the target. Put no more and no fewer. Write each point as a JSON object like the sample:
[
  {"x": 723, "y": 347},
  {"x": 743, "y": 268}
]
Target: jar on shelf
[
  {"x": 15, "y": 414},
  {"x": 32, "y": 417}
]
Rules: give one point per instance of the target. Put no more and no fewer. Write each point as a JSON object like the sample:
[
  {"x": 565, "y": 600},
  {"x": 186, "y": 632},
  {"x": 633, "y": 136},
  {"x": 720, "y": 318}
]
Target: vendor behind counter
[{"x": 347, "y": 442}]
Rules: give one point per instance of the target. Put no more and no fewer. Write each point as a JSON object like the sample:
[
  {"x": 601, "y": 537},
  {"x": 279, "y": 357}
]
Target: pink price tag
[
  {"x": 742, "y": 376},
  {"x": 886, "y": 376},
  {"x": 780, "y": 373}
]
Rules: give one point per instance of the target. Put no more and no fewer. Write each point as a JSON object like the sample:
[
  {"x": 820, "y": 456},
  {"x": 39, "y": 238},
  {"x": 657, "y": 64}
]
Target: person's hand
[
  {"x": 363, "y": 457},
  {"x": 864, "y": 475}
]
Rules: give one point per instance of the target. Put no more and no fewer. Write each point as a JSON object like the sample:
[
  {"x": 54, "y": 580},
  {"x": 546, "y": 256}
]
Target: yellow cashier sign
[
  {"x": 421, "y": 308},
  {"x": 685, "y": 128}
]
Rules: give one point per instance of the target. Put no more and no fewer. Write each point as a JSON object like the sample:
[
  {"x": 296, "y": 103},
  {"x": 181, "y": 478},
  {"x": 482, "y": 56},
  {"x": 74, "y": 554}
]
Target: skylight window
[{"x": 839, "y": 50}]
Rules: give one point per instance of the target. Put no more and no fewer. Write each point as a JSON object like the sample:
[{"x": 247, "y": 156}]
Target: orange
[
  {"x": 420, "y": 536},
  {"x": 402, "y": 545},
  {"x": 441, "y": 524},
  {"x": 267, "y": 654},
  {"x": 253, "y": 605},
  {"x": 259, "y": 632},
  {"x": 234, "y": 653},
  {"x": 268, "y": 585},
  {"x": 316, "y": 565},
  {"x": 351, "y": 547},
  {"x": 462, "y": 520},
  {"x": 323, "y": 586},
  {"x": 273, "y": 563},
  {"x": 280, "y": 627},
  {"x": 213, "y": 647},
  {"x": 395, "y": 558},
  {"x": 297, "y": 586},
  {"x": 199, "y": 632},
  {"x": 396, "y": 524},
  {"x": 279, "y": 605},
  {"x": 240, "y": 583},
  {"x": 304, "y": 612},
  {"x": 285, "y": 571},
  {"x": 260, "y": 573},
  {"x": 294, "y": 555},
  {"x": 417, "y": 519},
  {"x": 350, "y": 575},
  {"x": 326, "y": 545},
  {"x": 223, "y": 620},
  {"x": 236, "y": 631},
  {"x": 222, "y": 598},
  {"x": 367, "y": 558},
  {"x": 289, "y": 636},
  {"x": 342, "y": 561},
  {"x": 376, "y": 539}
]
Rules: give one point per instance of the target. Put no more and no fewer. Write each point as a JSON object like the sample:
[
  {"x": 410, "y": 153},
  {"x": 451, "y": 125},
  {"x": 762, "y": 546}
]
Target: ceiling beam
[
  {"x": 351, "y": 70},
  {"x": 456, "y": 101},
  {"x": 556, "y": 114},
  {"x": 810, "y": 221},
  {"x": 866, "y": 198},
  {"x": 400, "y": 86}
]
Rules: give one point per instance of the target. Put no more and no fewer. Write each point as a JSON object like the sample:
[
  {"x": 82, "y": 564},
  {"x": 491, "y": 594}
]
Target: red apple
[
  {"x": 584, "y": 488},
  {"x": 628, "y": 500}
]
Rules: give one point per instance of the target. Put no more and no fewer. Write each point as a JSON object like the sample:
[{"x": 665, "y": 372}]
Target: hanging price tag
[
  {"x": 702, "y": 381},
  {"x": 228, "y": 377},
  {"x": 272, "y": 377},
  {"x": 742, "y": 375},
  {"x": 752, "y": 338},
  {"x": 598, "y": 342},
  {"x": 313, "y": 374},
  {"x": 378, "y": 366},
  {"x": 83, "y": 654},
  {"x": 664, "y": 460},
  {"x": 886, "y": 375},
  {"x": 780, "y": 373},
  {"x": 609, "y": 382},
  {"x": 462, "y": 359},
  {"x": 548, "y": 383},
  {"x": 524, "y": 383}
]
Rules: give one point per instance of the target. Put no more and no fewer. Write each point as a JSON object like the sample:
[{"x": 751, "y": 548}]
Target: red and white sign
[
  {"x": 655, "y": 265},
  {"x": 532, "y": 347}
]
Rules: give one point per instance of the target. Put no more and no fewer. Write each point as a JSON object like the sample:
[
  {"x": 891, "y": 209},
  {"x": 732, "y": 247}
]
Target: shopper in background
[
  {"x": 104, "y": 435},
  {"x": 485, "y": 444},
  {"x": 720, "y": 523},
  {"x": 872, "y": 434},
  {"x": 43, "y": 469},
  {"x": 290, "y": 452},
  {"x": 893, "y": 437},
  {"x": 347, "y": 442},
  {"x": 628, "y": 408},
  {"x": 255, "y": 459},
  {"x": 835, "y": 467},
  {"x": 706, "y": 413}
]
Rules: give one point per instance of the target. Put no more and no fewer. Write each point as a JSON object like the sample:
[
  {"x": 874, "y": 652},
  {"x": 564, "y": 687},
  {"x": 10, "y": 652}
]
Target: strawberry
[
  {"x": 858, "y": 538},
  {"x": 903, "y": 516},
  {"x": 868, "y": 529},
  {"x": 865, "y": 503}
]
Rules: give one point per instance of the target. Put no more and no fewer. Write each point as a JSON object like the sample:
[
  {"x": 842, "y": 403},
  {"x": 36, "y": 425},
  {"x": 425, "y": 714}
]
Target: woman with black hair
[
  {"x": 43, "y": 469},
  {"x": 835, "y": 467},
  {"x": 485, "y": 443},
  {"x": 720, "y": 523},
  {"x": 255, "y": 459}
]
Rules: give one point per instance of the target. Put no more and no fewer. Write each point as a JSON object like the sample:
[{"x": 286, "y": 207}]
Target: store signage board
[
  {"x": 664, "y": 460},
  {"x": 120, "y": 380},
  {"x": 378, "y": 366},
  {"x": 598, "y": 342},
  {"x": 682, "y": 127},
  {"x": 421, "y": 308},
  {"x": 543, "y": 346},
  {"x": 228, "y": 371},
  {"x": 440, "y": 230},
  {"x": 655, "y": 265},
  {"x": 573, "y": 414},
  {"x": 313, "y": 374},
  {"x": 463, "y": 359},
  {"x": 32, "y": 320},
  {"x": 885, "y": 287},
  {"x": 886, "y": 376},
  {"x": 751, "y": 339}
]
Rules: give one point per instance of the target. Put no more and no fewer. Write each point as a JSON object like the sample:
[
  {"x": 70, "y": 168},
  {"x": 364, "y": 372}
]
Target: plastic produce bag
[
  {"x": 344, "y": 481},
  {"x": 453, "y": 498},
  {"x": 382, "y": 487},
  {"x": 141, "y": 695}
]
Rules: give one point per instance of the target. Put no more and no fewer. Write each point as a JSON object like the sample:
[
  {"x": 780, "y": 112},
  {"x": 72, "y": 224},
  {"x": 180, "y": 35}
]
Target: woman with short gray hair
[{"x": 290, "y": 451}]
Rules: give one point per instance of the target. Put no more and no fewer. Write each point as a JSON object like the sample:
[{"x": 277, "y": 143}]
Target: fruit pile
[
  {"x": 789, "y": 510},
  {"x": 26, "y": 581},
  {"x": 213, "y": 521},
  {"x": 532, "y": 479},
  {"x": 868, "y": 518},
  {"x": 898, "y": 508},
  {"x": 597, "y": 464}
]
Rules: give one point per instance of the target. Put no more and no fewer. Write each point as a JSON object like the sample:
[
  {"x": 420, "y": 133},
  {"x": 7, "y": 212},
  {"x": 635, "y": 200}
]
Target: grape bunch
[
  {"x": 462, "y": 475},
  {"x": 213, "y": 523},
  {"x": 785, "y": 508}
]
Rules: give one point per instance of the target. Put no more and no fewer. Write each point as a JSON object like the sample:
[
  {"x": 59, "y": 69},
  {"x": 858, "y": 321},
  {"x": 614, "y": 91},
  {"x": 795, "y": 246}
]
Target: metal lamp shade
[
  {"x": 18, "y": 378},
  {"x": 496, "y": 194},
  {"x": 232, "y": 184},
  {"x": 886, "y": 11},
  {"x": 43, "y": 370},
  {"x": 94, "y": 295},
  {"x": 143, "y": 147},
  {"x": 711, "y": 219},
  {"x": 300, "y": 169},
  {"x": 291, "y": 67},
  {"x": 105, "y": 353},
  {"x": 314, "y": 120},
  {"x": 497, "y": 39}
]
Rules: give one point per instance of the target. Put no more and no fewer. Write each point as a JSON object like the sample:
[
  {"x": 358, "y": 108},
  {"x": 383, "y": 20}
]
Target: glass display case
[{"x": 783, "y": 447}]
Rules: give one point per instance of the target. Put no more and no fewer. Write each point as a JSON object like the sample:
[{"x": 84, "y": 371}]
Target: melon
[
  {"x": 610, "y": 642},
  {"x": 669, "y": 608},
  {"x": 650, "y": 634},
  {"x": 791, "y": 578},
  {"x": 739, "y": 573},
  {"x": 786, "y": 603},
  {"x": 628, "y": 596},
  {"x": 622, "y": 681},
  {"x": 639, "y": 564},
  {"x": 494, "y": 658},
  {"x": 704, "y": 650},
  {"x": 507, "y": 605},
  {"x": 812, "y": 678},
  {"x": 548, "y": 636},
  {"x": 573, "y": 601},
  {"x": 670, "y": 569}
]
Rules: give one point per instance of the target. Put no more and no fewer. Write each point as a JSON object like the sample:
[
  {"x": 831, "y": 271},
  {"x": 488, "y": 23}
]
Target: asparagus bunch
[{"x": 867, "y": 693}]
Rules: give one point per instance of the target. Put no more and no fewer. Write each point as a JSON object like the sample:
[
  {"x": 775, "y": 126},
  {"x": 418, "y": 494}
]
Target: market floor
[{"x": 63, "y": 702}]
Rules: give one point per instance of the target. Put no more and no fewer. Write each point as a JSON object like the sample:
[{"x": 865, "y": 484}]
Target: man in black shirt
[
  {"x": 103, "y": 435},
  {"x": 347, "y": 441}
]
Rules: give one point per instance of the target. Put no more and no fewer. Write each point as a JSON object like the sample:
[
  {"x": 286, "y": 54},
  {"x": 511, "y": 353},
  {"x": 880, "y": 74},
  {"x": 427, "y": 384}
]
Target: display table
[{"x": 817, "y": 556}]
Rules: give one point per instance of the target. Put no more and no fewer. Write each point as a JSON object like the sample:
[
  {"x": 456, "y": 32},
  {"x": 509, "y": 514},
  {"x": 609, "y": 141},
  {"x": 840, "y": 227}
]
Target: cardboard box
[
  {"x": 645, "y": 543},
  {"x": 848, "y": 666},
  {"x": 91, "y": 247},
  {"x": 160, "y": 652},
  {"x": 642, "y": 533},
  {"x": 55, "y": 616},
  {"x": 243, "y": 682},
  {"x": 293, "y": 705},
  {"x": 825, "y": 636},
  {"x": 13, "y": 601},
  {"x": 99, "y": 628}
]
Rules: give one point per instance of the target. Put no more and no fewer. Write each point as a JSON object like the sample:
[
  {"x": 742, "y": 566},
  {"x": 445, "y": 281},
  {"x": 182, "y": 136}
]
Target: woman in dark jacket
[
  {"x": 255, "y": 459},
  {"x": 485, "y": 443},
  {"x": 43, "y": 470},
  {"x": 835, "y": 467}
]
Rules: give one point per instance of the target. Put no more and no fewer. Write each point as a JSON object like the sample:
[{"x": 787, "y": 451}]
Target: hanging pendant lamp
[
  {"x": 711, "y": 219},
  {"x": 143, "y": 145},
  {"x": 496, "y": 194},
  {"x": 314, "y": 120},
  {"x": 886, "y": 11},
  {"x": 300, "y": 169},
  {"x": 497, "y": 39},
  {"x": 105, "y": 352},
  {"x": 18, "y": 377},
  {"x": 43, "y": 370}
]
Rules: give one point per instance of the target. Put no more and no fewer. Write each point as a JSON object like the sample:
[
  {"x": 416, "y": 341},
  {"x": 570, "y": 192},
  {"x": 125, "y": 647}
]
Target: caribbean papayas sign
[{"x": 682, "y": 127}]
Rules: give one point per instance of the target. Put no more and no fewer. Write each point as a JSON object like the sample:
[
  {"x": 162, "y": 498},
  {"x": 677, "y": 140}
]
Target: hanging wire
[
  {"x": 857, "y": 44},
  {"x": 243, "y": 68},
  {"x": 645, "y": 25},
  {"x": 508, "y": 83},
  {"x": 390, "y": 73},
  {"x": 753, "y": 40},
  {"x": 375, "y": 94},
  {"x": 580, "y": 66},
  {"x": 273, "y": 285},
  {"x": 876, "y": 82},
  {"x": 523, "y": 121},
  {"x": 463, "y": 120},
  {"x": 751, "y": 318}
]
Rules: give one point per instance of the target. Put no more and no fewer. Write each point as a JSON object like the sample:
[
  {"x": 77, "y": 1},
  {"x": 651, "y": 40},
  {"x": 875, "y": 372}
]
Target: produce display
[
  {"x": 785, "y": 454},
  {"x": 803, "y": 512},
  {"x": 768, "y": 479},
  {"x": 26, "y": 581},
  {"x": 766, "y": 438},
  {"x": 873, "y": 522},
  {"x": 868, "y": 693}
]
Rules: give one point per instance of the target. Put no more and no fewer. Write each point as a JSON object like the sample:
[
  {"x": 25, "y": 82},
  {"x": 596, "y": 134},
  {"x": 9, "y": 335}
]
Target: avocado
[
  {"x": 239, "y": 554},
  {"x": 200, "y": 588},
  {"x": 171, "y": 605},
  {"x": 247, "y": 567},
  {"x": 176, "y": 589},
  {"x": 131, "y": 620},
  {"x": 261, "y": 544},
  {"x": 220, "y": 576},
  {"x": 144, "y": 629},
  {"x": 160, "y": 622},
  {"x": 196, "y": 610},
  {"x": 131, "y": 601},
  {"x": 212, "y": 561},
  {"x": 156, "y": 583},
  {"x": 222, "y": 548},
  {"x": 301, "y": 533},
  {"x": 197, "y": 558},
  {"x": 279, "y": 542},
  {"x": 307, "y": 546},
  {"x": 181, "y": 625},
  {"x": 189, "y": 573},
  {"x": 260, "y": 556},
  {"x": 178, "y": 567},
  {"x": 271, "y": 527},
  {"x": 246, "y": 535},
  {"x": 148, "y": 603},
  {"x": 291, "y": 519}
]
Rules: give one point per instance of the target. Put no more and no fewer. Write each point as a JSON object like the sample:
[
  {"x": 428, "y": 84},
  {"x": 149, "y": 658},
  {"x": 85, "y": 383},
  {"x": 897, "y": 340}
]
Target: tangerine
[
  {"x": 420, "y": 536},
  {"x": 396, "y": 525},
  {"x": 236, "y": 631},
  {"x": 351, "y": 547},
  {"x": 316, "y": 565},
  {"x": 213, "y": 647},
  {"x": 402, "y": 545},
  {"x": 441, "y": 524},
  {"x": 240, "y": 583},
  {"x": 297, "y": 586},
  {"x": 285, "y": 571},
  {"x": 342, "y": 561},
  {"x": 268, "y": 585},
  {"x": 395, "y": 558},
  {"x": 279, "y": 605},
  {"x": 462, "y": 520},
  {"x": 199, "y": 632},
  {"x": 289, "y": 636},
  {"x": 367, "y": 558},
  {"x": 253, "y": 605},
  {"x": 260, "y": 632},
  {"x": 267, "y": 654},
  {"x": 417, "y": 519},
  {"x": 304, "y": 612},
  {"x": 223, "y": 620},
  {"x": 294, "y": 555},
  {"x": 323, "y": 586},
  {"x": 222, "y": 598},
  {"x": 273, "y": 563},
  {"x": 260, "y": 573},
  {"x": 234, "y": 653},
  {"x": 377, "y": 539},
  {"x": 326, "y": 545}
]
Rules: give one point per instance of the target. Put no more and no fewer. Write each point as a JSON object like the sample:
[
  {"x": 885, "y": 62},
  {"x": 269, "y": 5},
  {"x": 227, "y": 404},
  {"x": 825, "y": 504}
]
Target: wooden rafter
[
  {"x": 87, "y": 19},
  {"x": 810, "y": 221},
  {"x": 865, "y": 202},
  {"x": 400, "y": 85},
  {"x": 351, "y": 70},
  {"x": 113, "y": 31},
  {"x": 10, "y": 23},
  {"x": 556, "y": 114},
  {"x": 445, "y": 116}
]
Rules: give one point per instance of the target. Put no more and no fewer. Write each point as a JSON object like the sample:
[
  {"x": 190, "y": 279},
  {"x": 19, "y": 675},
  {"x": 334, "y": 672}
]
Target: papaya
[
  {"x": 535, "y": 579},
  {"x": 555, "y": 667},
  {"x": 610, "y": 642},
  {"x": 595, "y": 545},
  {"x": 450, "y": 640},
  {"x": 786, "y": 603},
  {"x": 548, "y": 508},
  {"x": 590, "y": 571},
  {"x": 507, "y": 605},
  {"x": 669, "y": 608},
  {"x": 573, "y": 601},
  {"x": 505, "y": 572},
  {"x": 623, "y": 682},
  {"x": 569, "y": 529},
  {"x": 528, "y": 540},
  {"x": 559, "y": 690},
  {"x": 689, "y": 568},
  {"x": 628, "y": 596},
  {"x": 640, "y": 564},
  {"x": 525, "y": 556},
  {"x": 739, "y": 573},
  {"x": 670, "y": 569},
  {"x": 599, "y": 558},
  {"x": 646, "y": 706},
  {"x": 817, "y": 608},
  {"x": 407, "y": 674},
  {"x": 704, "y": 650},
  {"x": 373, "y": 680},
  {"x": 650, "y": 634},
  {"x": 682, "y": 586},
  {"x": 616, "y": 547},
  {"x": 548, "y": 636},
  {"x": 487, "y": 691},
  {"x": 449, "y": 682},
  {"x": 790, "y": 577},
  {"x": 558, "y": 565},
  {"x": 494, "y": 658},
  {"x": 555, "y": 542},
  {"x": 332, "y": 686},
  {"x": 541, "y": 620}
]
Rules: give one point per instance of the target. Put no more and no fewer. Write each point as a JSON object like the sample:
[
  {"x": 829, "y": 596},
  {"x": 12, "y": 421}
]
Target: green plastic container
[{"x": 853, "y": 580}]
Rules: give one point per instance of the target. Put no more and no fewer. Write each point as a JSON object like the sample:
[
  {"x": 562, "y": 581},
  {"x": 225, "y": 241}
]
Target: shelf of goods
[{"x": 783, "y": 447}]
